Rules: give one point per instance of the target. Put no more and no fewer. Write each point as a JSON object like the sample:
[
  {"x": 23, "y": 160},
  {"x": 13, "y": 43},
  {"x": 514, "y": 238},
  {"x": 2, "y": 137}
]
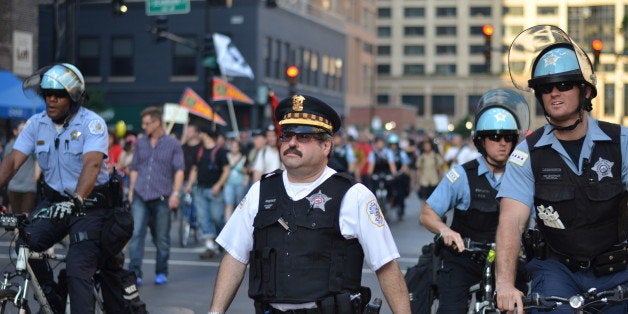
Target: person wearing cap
[
  {"x": 305, "y": 231},
  {"x": 571, "y": 174},
  {"x": 469, "y": 189},
  {"x": 267, "y": 158},
  {"x": 70, "y": 145}
]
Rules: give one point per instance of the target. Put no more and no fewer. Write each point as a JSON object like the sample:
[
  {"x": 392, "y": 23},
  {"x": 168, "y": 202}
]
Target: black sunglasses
[
  {"x": 509, "y": 138},
  {"x": 303, "y": 138},
  {"x": 561, "y": 86},
  {"x": 58, "y": 93}
]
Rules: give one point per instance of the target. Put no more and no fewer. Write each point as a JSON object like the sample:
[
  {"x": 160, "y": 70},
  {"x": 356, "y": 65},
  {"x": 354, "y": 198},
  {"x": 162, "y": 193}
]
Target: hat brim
[{"x": 301, "y": 128}]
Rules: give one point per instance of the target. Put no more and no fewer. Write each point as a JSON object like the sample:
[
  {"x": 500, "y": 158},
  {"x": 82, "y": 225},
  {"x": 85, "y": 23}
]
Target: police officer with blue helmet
[
  {"x": 401, "y": 182},
  {"x": 470, "y": 189},
  {"x": 571, "y": 175},
  {"x": 70, "y": 144}
]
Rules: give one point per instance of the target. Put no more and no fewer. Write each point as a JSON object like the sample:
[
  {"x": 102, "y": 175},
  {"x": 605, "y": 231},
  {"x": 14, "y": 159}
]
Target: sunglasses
[
  {"x": 58, "y": 93},
  {"x": 509, "y": 138},
  {"x": 561, "y": 86},
  {"x": 303, "y": 138}
]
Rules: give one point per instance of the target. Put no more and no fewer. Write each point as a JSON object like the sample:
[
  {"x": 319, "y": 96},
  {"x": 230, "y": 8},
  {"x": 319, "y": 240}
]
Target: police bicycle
[
  {"x": 14, "y": 295},
  {"x": 587, "y": 302},
  {"x": 380, "y": 183}
]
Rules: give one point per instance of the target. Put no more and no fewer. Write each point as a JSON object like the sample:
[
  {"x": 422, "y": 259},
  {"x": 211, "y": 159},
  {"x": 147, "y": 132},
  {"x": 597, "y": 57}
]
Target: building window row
[
  {"x": 419, "y": 12},
  {"x": 419, "y": 31},
  {"x": 410, "y": 69}
]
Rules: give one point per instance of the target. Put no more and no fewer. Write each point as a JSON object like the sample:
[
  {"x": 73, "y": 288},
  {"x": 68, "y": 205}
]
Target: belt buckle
[{"x": 584, "y": 264}]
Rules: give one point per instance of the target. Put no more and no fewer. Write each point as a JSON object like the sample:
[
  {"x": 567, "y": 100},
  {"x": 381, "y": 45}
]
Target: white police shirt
[
  {"x": 360, "y": 218},
  {"x": 518, "y": 181}
]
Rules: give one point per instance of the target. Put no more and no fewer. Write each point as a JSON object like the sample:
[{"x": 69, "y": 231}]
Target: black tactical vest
[
  {"x": 338, "y": 160},
  {"x": 381, "y": 162},
  {"x": 479, "y": 221},
  {"x": 587, "y": 205},
  {"x": 306, "y": 259}
]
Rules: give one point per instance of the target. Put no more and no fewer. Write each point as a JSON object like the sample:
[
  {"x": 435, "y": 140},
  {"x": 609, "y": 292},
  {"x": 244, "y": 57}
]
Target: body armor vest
[
  {"x": 338, "y": 160},
  {"x": 397, "y": 155},
  {"x": 479, "y": 221},
  {"x": 299, "y": 254},
  {"x": 578, "y": 215},
  {"x": 381, "y": 162}
]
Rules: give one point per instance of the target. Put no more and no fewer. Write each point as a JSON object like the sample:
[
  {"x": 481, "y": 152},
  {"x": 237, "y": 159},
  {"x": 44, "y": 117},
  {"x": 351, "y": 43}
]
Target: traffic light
[
  {"x": 118, "y": 7},
  {"x": 161, "y": 25},
  {"x": 209, "y": 52},
  {"x": 597, "y": 45},
  {"x": 292, "y": 75},
  {"x": 487, "y": 30}
]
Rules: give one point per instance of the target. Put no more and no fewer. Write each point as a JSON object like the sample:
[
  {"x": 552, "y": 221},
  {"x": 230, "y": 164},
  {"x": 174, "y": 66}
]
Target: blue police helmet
[
  {"x": 496, "y": 120},
  {"x": 66, "y": 77},
  {"x": 393, "y": 138}
]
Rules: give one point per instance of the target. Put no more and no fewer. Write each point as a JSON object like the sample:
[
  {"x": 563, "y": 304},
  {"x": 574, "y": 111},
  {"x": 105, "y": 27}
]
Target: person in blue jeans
[
  {"x": 155, "y": 181},
  {"x": 237, "y": 180},
  {"x": 207, "y": 179}
]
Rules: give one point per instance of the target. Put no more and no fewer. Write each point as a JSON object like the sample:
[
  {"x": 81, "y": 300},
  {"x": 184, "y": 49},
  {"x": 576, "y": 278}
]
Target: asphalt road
[{"x": 192, "y": 280}]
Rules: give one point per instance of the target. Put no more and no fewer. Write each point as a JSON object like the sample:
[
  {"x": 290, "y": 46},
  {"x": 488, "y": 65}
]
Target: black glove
[{"x": 62, "y": 210}]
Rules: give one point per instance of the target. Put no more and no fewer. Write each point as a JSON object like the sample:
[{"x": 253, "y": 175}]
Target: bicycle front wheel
[{"x": 7, "y": 305}]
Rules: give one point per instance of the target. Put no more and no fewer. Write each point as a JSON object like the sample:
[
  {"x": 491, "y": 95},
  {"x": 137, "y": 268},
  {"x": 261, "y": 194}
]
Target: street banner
[
  {"x": 196, "y": 105},
  {"x": 229, "y": 58},
  {"x": 224, "y": 90},
  {"x": 273, "y": 101}
]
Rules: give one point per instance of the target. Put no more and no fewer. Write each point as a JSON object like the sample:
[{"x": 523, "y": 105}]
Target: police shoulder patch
[
  {"x": 374, "y": 213},
  {"x": 518, "y": 157},
  {"x": 452, "y": 175},
  {"x": 96, "y": 127}
]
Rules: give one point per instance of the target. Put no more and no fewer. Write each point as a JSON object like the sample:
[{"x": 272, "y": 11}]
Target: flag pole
[{"x": 234, "y": 122}]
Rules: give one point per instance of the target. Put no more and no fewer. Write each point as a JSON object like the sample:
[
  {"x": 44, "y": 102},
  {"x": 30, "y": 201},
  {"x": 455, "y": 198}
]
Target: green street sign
[{"x": 165, "y": 7}]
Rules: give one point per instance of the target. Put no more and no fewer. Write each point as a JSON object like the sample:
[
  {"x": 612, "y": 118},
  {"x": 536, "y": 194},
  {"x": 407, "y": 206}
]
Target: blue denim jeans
[
  {"x": 155, "y": 214},
  {"x": 233, "y": 192},
  {"x": 210, "y": 210}
]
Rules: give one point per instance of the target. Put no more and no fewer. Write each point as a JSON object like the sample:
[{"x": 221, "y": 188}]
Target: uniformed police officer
[
  {"x": 70, "y": 143},
  {"x": 573, "y": 172},
  {"x": 305, "y": 231},
  {"x": 470, "y": 189}
]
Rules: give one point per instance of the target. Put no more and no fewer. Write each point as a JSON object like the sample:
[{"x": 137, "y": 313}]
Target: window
[
  {"x": 445, "y": 49},
  {"x": 413, "y": 12},
  {"x": 268, "y": 48},
  {"x": 277, "y": 71},
  {"x": 446, "y": 12},
  {"x": 608, "y": 67},
  {"x": 384, "y": 31},
  {"x": 88, "y": 56},
  {"x": 609, "y": 99},
  {"x": 383, "y": 13},
  {"x": 413, "y": 31},
  {"x": 413, "y": 69},
  {"x": 184, "y": 60},
  {"x": 446, "y": 69},
  {"x": 625, "y": 99},
  {"x": 383, "y": 50},
  {"x": 476, "y": 49},
  {"x": 476, "y": 31},
  {"x": 417, "y": 101},
  {"x": 446, "y": 31},
  {"x": 383, "y": 69},
  {"x": 480, "y": 11},
  {"x": 382, "y": 99},
  {"x": 314, "y": 68},
  {"x": 478, "y": 68},
  {"x": 513, "y": 10},
  {"x": 413, "y": 50},
  {"x": 547, "y": 10},
  {"x": 443, "y": 104},
  {"x": 305, "y": 76},
  {"x": 122, "y": 56},
  {"x": 367, "y": 47}
]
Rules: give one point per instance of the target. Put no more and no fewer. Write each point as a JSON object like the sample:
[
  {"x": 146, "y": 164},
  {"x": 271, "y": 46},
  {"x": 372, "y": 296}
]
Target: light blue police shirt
[
  {"x": 385, "y": 152},
  {"x": 518, "y": 179},
  {"x": 453, "y": 190},
  {"x": 60, "y": 154}
]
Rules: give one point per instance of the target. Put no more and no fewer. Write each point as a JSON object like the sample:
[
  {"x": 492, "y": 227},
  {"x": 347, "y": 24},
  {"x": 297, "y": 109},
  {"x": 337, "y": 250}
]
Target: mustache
[{"x": 293, "y": 151}]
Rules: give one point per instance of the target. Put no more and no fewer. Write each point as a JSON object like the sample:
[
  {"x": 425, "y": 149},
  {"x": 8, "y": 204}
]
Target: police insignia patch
[
  {"x": 95, "y": 127},
  {"x": 318, "y": 200},
  {"x": 374, "y": 213},
  {"x": 603, "y": 168},
  {"x": 518, "y": 157},
  {"x": 452, "y": 175}
]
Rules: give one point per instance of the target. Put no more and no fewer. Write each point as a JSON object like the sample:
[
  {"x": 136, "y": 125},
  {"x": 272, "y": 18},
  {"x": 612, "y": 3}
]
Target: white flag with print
[{"x": 229, "y": 58}]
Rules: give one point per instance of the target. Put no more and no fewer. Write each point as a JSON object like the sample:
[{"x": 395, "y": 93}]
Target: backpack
[
  {"x": 119, "y": 291},
  {"x": 421, "y": 281},
  {"x": 118, "y": 226}
]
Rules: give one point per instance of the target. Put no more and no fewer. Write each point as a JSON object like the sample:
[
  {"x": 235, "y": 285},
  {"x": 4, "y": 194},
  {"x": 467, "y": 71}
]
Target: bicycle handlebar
[
  {"x": 579, "y": 301},
  {"x": 470, "y": 245}
]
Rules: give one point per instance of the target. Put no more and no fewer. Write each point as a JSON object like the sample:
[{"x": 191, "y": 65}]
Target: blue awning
[{"x": 14, "y": 104}]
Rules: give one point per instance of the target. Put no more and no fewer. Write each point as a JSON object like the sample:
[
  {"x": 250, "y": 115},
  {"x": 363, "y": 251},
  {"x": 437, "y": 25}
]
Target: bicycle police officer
[
  {"x": 470, "y": 190},
  {"x": 307, "y": 230},
  {"x": 573, "y": 172},
  {"x": 70, "y": 143}
]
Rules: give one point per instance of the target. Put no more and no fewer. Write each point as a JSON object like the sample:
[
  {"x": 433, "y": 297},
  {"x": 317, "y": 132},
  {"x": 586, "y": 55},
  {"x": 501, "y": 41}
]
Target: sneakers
[
  {"x": 211, "y": 250},
  {"x": 161, "y": 279}
]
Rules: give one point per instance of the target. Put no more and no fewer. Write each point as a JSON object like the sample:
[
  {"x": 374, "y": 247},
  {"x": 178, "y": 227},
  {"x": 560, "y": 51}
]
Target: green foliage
[{"x": 96, "y": 101}]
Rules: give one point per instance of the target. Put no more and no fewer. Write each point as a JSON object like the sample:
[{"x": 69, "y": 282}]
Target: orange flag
[
  {"x": 224, "y": 91},
  {"x": 196, "y": 105}
]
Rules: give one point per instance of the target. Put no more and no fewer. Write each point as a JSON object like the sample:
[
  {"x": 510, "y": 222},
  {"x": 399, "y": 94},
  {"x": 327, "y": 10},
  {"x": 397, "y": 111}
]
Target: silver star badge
[
  {"x": 318, "y": 200},
  {"x": 500, "y": 116},
  {"x": 551, "y": 60},
  {"x": 603, "y": 168}
]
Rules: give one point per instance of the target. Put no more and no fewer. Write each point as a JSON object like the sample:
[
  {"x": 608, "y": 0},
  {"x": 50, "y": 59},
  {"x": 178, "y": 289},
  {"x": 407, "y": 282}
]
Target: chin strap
[
  {"x": 496, "y": 166},
  {"x": 564, "y": 128}
]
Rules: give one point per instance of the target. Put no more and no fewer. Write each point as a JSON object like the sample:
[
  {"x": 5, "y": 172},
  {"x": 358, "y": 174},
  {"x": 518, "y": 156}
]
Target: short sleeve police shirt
[{"x": 357, "y": 220}]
